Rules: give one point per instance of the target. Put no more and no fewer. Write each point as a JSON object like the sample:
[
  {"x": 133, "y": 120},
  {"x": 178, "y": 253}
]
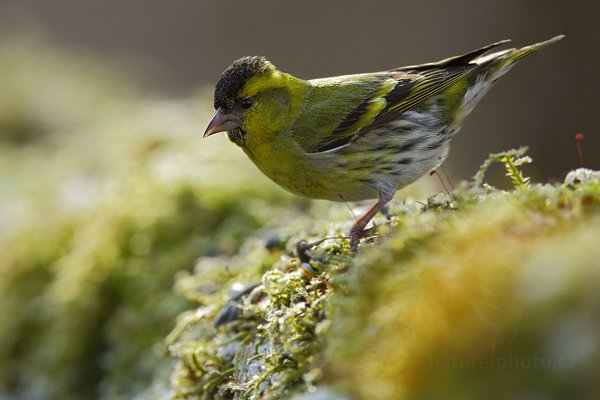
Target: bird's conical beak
[{"x": 220, "y": 122}]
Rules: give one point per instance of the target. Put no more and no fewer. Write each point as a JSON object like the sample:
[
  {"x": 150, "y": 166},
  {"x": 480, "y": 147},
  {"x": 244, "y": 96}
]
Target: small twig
[{"x": 303, "y": 246}]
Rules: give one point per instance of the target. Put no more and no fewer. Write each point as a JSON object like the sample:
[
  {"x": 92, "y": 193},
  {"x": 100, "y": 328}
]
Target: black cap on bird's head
[
  {"x": 236, "y": 75},
  {"x": 231, "y": 82}
]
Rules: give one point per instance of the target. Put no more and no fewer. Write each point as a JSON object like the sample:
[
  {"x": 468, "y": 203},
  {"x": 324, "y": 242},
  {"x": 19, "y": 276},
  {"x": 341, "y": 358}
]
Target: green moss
[
  {"x": 269, "y": 350},
  {"x": 512, "y": 160},
  {"x": 104, "y": 294},
  {"x": 481, "y": 303},
  {"x": 457, "y": 297}
]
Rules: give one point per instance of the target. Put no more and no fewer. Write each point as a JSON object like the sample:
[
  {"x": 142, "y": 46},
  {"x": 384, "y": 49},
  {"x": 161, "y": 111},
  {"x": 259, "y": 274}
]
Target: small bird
[{"x": 354, "y": 137}]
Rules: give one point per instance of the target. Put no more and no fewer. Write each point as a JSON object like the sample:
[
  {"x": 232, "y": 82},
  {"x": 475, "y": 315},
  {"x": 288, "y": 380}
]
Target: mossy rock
[{"x": 486, "y": 293}]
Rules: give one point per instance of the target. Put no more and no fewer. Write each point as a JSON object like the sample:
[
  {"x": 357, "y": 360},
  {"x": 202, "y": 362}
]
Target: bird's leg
[{"x": 358, "y": 228}]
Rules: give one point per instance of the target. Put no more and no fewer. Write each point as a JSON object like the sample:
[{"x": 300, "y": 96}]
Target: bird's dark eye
[{"x": 246, "y": 103}]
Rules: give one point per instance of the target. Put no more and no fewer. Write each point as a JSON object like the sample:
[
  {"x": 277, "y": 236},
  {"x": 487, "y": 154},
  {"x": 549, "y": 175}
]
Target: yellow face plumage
[
  {"x": 271, "y": 106},
  {"x": 254, "y": 102}
]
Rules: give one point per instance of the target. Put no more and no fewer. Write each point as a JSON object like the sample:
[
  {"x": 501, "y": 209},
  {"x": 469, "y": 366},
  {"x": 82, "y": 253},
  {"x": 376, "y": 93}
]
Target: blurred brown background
[{"x": 176, "y": 47}]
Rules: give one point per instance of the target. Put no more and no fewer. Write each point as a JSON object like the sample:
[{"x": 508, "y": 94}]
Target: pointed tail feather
[
  {"x": 457, "y": 61},
  {"x": 489, "y": 69},
  {"x": 525, "y": 51},
  {"x": 509, "y": 57}
]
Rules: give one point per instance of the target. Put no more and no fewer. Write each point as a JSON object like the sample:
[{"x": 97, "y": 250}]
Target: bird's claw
[
  {"x": 354, "y": 240},
  {"x": 357, "y": 233}
]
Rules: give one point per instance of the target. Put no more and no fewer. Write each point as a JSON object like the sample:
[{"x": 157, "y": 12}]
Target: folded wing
[{"x": 359, "y": 103}]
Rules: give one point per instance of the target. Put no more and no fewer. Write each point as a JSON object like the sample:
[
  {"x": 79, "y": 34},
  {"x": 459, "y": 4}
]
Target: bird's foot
[
  {"x": 358, "y": 229},
  {"x": 355, "y": 237},
  {"x": 356, "y": 233},
  {"x": 354, "y": 240}
]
